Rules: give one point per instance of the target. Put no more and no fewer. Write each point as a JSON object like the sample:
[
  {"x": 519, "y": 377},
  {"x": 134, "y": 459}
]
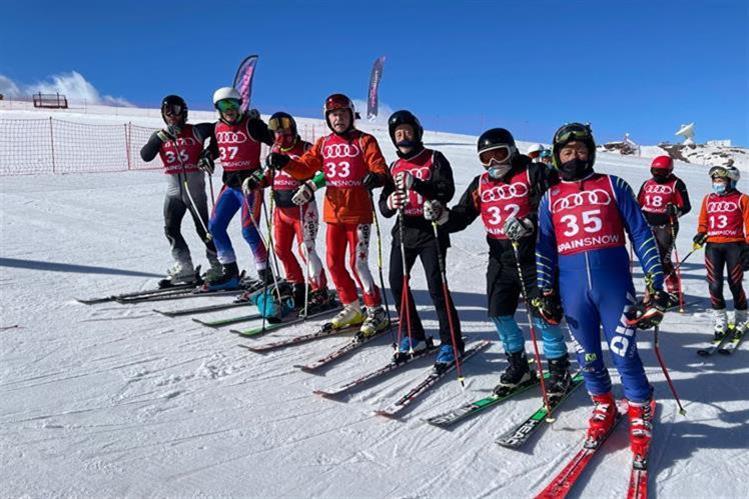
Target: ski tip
[
  {"x": 386, "y": 414},
  {"x": 324, "y": 394}
]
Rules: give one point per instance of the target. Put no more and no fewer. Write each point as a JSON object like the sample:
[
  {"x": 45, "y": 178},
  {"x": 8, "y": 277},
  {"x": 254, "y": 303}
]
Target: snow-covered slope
[{"x": 113, "y": 400}]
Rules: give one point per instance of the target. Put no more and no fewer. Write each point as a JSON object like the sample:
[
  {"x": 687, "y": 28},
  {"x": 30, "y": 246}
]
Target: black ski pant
[
  {"x": 176, "y": 203},
  {"x": 664, "y": 239},
  {"x": 429, "y": 260},
  {"x": 717, "y": 257}
]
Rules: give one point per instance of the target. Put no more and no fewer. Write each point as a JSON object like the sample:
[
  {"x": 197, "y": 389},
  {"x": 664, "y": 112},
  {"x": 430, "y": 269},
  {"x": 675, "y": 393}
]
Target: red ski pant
[
  {"x": 353, "y": 238},
  {"x": 300, "y": 223}
]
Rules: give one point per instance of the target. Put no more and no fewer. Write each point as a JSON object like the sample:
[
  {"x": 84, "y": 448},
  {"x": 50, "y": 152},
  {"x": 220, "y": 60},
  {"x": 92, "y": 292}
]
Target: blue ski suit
[{"x": 595, "y": 284}]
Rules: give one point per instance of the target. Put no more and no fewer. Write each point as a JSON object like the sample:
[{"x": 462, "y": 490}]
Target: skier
[
  {"x": 724, "y": 226},
  {"x": 238, "y": 136},
  {"x": 581, "y": 224},
  {"x": 352, "y": 165},
  {"x": 506, "y": 197},
  {"x": 295, "y": 215},
  {"x": 663, "y": 199},
  {"x": 180, "y": 145},
  {"x": 534, "y": 152},
  {"x": 418, "y": 175}
]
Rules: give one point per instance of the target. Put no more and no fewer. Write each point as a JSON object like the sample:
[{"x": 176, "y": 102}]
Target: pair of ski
[
  {"x": 179, "y": 288},
  {"x": 724, "y": 344},
  {"x": 395, "y": 408},
  {"x": 563, "y": 482},
  {"x": 321, "y": 331},
  {"x": 516, "y": 436}
]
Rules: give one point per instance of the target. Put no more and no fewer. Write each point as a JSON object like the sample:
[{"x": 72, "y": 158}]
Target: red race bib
[
  {"x": 502, "y": 199},
  {"x": 585, "y": 215}
]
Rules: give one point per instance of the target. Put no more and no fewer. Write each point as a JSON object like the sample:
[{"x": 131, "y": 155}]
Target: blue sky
[{"x": 643, "y": 67}]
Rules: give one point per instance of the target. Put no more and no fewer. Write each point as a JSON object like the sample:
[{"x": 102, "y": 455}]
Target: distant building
[{"x": 719, "y": 143}]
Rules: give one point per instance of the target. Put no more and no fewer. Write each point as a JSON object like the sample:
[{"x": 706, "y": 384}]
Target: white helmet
[
  {"x": 535, "y": 148},
  {"x": 226, "y": 93},
  {"x": 729, "y": 171}
]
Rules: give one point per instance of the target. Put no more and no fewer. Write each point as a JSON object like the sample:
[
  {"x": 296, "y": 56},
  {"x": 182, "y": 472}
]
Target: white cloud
[{"x": 73, "y": 85}]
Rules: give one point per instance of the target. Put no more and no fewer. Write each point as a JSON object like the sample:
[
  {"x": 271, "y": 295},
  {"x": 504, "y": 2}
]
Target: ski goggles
[
  {"x": 545, "y": 154},
  {"x": 227, "y": 105},
  {"x": 575, "y": 131},
  {"x": 280, "y": 124},
  {"x": 496, "y": 155},
  {"x": 718, "y": 172},
  {"x": 172, "y": 110}
]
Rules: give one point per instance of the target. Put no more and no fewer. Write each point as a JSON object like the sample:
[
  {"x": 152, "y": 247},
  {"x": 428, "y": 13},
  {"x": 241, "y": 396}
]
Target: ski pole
[
  {"x": 678, "y": 266},
  {"x": 305, "y": 255},
  {"x": 657, "y": 349},
  {"x": 405, "y": 305},
  {"x": 272, "y": 258},
  {"x": 448, "y": 305},
  {"x": 678, "y": 270},
  {"x": 194, "y": 208},
  {"x": 210, "y": 185},
  {"x": 379, "y": 264},
  {"x": 536, "y": 354}
]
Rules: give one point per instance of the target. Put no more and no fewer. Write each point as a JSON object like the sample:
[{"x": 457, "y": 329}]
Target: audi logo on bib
[
  {"x": 585, "y": 198},
  {"x": 504, "y": 191},
  {"x": 333, "y": 151},
  {"x": 229, "y": 137},
  {"x": 721, "y": 206},
  {"x": 658, "y": 189}
]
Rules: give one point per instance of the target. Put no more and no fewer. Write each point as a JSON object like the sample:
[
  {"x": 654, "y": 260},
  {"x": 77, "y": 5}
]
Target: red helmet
[
  {"x": 339, "y": 101},
  {"x": 662, "y": 164}
]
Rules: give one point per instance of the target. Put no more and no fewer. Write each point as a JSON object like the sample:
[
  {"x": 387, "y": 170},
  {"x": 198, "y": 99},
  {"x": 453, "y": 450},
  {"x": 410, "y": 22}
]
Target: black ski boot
[
  {"x": 517, "y": 373},
  {"x": 559, "y": 380},
  {"x": 298, "y": 292},
  {"x": 229, "y": 278},
  {"x": 266, "y": 276}
]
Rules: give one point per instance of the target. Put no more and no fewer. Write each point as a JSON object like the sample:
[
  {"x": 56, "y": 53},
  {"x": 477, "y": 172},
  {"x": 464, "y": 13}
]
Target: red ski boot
[
  {"x": 641, "y": 426},
  {"x": 603, "y": 419}
]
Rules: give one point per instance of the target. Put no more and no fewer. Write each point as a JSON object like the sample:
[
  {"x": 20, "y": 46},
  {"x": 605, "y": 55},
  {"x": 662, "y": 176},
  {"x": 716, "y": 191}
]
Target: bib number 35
[{"x": 590, "y": 221}]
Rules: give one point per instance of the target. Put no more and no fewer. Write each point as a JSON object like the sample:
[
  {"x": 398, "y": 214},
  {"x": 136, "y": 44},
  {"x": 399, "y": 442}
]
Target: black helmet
[
  {"x": 176, "y": 105},
  {"x": 573, "y": 132},
  {"x": 404, "y": 117},
  {"x": 282, "y": 121}
]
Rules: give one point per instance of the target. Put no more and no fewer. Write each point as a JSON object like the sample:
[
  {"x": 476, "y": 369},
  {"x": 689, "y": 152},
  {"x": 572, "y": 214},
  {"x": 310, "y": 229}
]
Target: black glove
[
  {"x": 277, "y": 161},
  {"x": 548, "y": 306},
  {"x": 672, "y": 210},
  {"x": 699, "y": 240},
  {"x": 372, "y": 181},
  {"x": 648, "y": 314},
  {"x": 205, "y": 163},
  {"x": 252, "y": 182}
]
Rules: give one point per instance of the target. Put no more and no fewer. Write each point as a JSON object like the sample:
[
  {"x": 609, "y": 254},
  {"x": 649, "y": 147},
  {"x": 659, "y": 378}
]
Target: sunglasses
[{"x": 227, "y": 105}]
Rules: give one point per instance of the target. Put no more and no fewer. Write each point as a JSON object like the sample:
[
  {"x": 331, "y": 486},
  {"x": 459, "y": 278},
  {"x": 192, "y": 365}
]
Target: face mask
[
  {"x": 719, "y": 187},
  {"x": 574, "y": 169},
  {"x": 407, "y": 143},
  {"x": 498, "y": 171}
]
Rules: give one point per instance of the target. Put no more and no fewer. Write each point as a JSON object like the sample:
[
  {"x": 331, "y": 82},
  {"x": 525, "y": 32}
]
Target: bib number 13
[{"x": 591, "y": 222}]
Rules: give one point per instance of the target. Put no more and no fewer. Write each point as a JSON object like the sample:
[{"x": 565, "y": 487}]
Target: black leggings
[
  {"x": 429, "y": 260},
  {"x": 717, "y": 256}
]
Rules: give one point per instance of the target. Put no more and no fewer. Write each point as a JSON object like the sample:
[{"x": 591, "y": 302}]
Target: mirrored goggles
[
  {"x": 280, "y": 124},
  {"x": 227, "y": 105}
]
